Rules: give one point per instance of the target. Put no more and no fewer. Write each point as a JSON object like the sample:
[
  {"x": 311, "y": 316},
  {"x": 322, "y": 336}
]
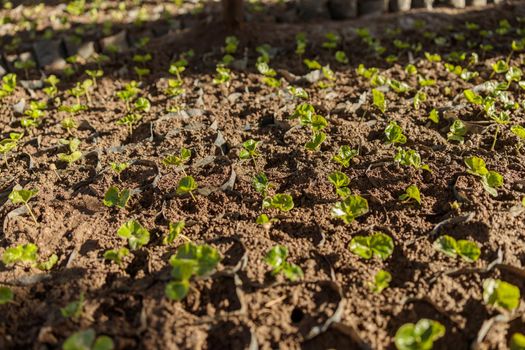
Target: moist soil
[{"x": 242, "y": 305}]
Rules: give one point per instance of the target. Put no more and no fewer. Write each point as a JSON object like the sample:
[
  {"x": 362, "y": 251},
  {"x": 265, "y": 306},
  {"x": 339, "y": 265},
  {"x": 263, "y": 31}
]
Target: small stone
[
  {"x": 49, "y": 54},
  {"x": 118, "y": 42},
  {"x": 19, "y": 107},
  {"x": 84, "y": 50}
]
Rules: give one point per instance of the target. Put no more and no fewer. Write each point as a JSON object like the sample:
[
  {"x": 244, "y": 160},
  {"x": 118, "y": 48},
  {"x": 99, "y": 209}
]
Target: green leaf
[
  {"x": 394, "y": 133},
  {"x": 476, "y": 166},
  {"x": 419, "y": 336},
  {"x": 472, "y": 97},
  {"x": 338, "y": 179},
  {"x": 519, "y": 131},
  {"x": 468, "y": 250},
  {"x": 276, "y": 257},
  {"x": 292, "y": 272},
  {"x": 447, "y": 245},
  {"x": 23, "y": 253},
  {"x": 186, "y": 185},
  {"x": 73, "y": 309},
  {"x": 411, "y": 193},
  {"x": 136, "y": 234},
  {"x": 501, "y": 294},
  {"x": 114, "y": 197},
  {"x": 360, "y": 245},
  {"x": 382, "y": 280},
  {"x": 21, "y": 196},
  {"x": 350, "y": 208},
  {"x": 378, "y": 99},
  {"x": 315, "y": 142},
  {"x": 378, "y": 245},
  {"x": 6, "y": 295},
  {"x": 175, "y": 229},
  {"x": 249, "y": 149},
  {"x": 48, "y": 265},
  {"x": 70, "y": 158},
  {"x": 116, "y": 255},
  {"x": 434, "y": 116},
  {"x": 344, "y": 155},
  {"x": 177, "y": 290},
  {"x": 103, "y": 343},
  {"x": 280, "y": 201},
  {"x": 517, "y": 341},
  {"x": 81, "y": 340},
  {"x": 260, "y": 183}
]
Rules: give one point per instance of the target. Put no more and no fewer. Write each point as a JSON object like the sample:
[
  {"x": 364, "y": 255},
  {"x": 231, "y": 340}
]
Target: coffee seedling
[
  {"x": 501, "y": 294},
  {"x": 276, "y": 258},
  {"x": 467, "y": 250},
  {"x": 378, "y": 245},
  {"x": 23, "y": 196},
  {"x": 116, "y": 198},
  {"x": 350, "y": 208},
  {"x": 135, "y": 233},
  {"x": 420, "y": 335}
]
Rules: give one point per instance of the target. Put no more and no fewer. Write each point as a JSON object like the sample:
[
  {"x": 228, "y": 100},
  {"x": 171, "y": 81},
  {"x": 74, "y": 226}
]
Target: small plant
[
  {"x": 21, "y": 254},
  {"x": 467, "y": 250},
  {"x": 276, "y": 258},
  {"x": 279, "y": 201},
  {"x": 501, "y": 294},
  {"x": 340, "y": 56},
  {"x": 381, "y": 281},
  {"x": 94, "y": 74},
  {"x": 300, "y": 44},
  {"x": 261, "y": 184},
  {"x": 190, "y": 260},
  {"x": 491, "y": 180},
  {"x": 223, "y": 75},
  {"x": 74, "y": 154},
  {"x": 118, "y": 168},
  {"x": 135, "y": 233},
  {"x": 116, "y": 255},
  {"x": 8, "y": 85},
  {"x": 411, "y": 158},
  {"x": 378, "y": 245},
  {"x": 457, "y": 131},
  {"x": 421, "y": 335},
  {"x": 175, "y": 231},
  {"x": 6, "y": 295},
  {"x": 52, "y": 89},
  {"x": 178, "y": 161},
  {"x": 332, "y": 40},
  {"x": 344, "y": 156},
  {"x": 130, "y": 120},
  {"x": 517, "y": 341},
  {"x": 411, "y": 194},
  {"x": 340, "y": 181},
  {"x": 48, "y": 265},
  {"x": 7, "y": 145},
  {"x": 394, "y": 134},
  {"x": 74, "y": 309},
  {"x": 378, "y": 99},
  {"x": 116, "y": 198},
  {"x": 249, "y": 151},
  {"x": 350, "y": 208},
  {"x": 23, "y": 196},
  {"x": 187, "y": 185},
  {"x": 87, "y": 340}
]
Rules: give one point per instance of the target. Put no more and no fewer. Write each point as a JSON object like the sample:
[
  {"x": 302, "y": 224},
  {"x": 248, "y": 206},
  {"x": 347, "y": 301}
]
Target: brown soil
[{"x": 248, "y": 308}]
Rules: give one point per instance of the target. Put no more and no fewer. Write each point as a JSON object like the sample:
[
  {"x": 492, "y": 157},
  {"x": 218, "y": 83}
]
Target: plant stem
[
  {"x": 31, "y": 213},
  {"x": 192, "y": 196},
  {"x": 186, "y": 238},
  {"x": 495, "y": 138}
]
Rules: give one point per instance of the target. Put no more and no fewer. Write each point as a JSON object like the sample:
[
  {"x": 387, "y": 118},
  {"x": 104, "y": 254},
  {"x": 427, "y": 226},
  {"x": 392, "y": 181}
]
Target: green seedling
[
  {"x": 420, "y": 336},
  {"x": 249, "y": 151},
  {"x": 312, "y": 64},
  {"x": 141, "y": 72},
  {"x": 116, "y": 198},
  {"x": 174, "y": 88},
  {"x": 344, "y": 155},
  {"x": 517, "y": 341},
  {"x": 74, "y": 154},
  {"x": 378, "y": 245},
  {"x": 130, "y": 120},
  {"x": 129, "y": 93},
  {"x": 8, "y": 85},
  {"x": 411, "y": 158},
  {"x": 223, "y": 75},
  {"x": 261, "y": 184},
  {"x": 178, "y": 161},
  {"x": 350, "y": 208},
  {"x": 283, "y": 202},
  {"x": 298, "y": 92},
  {"x": 411, "y": 194},
  {"x": 381, "y": 281},
  {"x": 457, "y": 132},
  {"x": 340, "y": 56},
  {"x": 7, "y": 145},
  {"x": 315, "y": 141},
  {"x": 116, "y": 255},
  {"x": 52, "y": 89},
  {"x": 300, "y": 44},
  {"x": 332, "y": 40},
  {"x": 491, "y": 180},
  {"x": 23, "y": 196},
  {"x": 394, "y": 134},
  {"x": 501, "y": 294},
  {"x": 265, "y": 221},
  {"x": 21, "y": 254},
  {"x": 94, "y": 75},
  {"x": 517, "y": 130},
  {"x": 268, "y": 73},
  {"x": 276, "y": 258},
  {"x": 6, "y": 295},
  {"x": 187, "y": 185},
  {"x": 118, "y": 168},
  {"x": 87, "y": 340},
  {"x": 74, "y": 309},
  {"x": 467, "y": 250},
  {"x": 190, "y": 260},
  {"x": 135, "y": 233},
  {"x": 432, "y": 57},
  {"x": 177, "y": 67},
  {"x": 175, "y": 231},
  {"x": 25, "y": 66},
  {"x": 340, "y": 181},
  {"x": 419, "y": 97},
  {"x": 69, "y": 124},
  {"x": 232, "y": 44},
  {"x": 378, "y": 99},
  {"x": 501, "y": 118},
  {"x": 48, "y": 264},
  {"x": 398, "y": 86}
]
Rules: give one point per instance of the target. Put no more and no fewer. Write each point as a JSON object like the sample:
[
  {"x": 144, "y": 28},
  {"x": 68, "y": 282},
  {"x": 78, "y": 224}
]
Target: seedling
[
  {"x": 378, "y": 99},
  {"x": 276, "y": 258},
  {"x": 7, "y": 145},
  {"x": 142, "y": 104},
  {"x": 116, "y": 255},
  {"x": 116, "y": 198},
  {"x": 298, "y": 92},
  {"x": 51, "y": 90},
  {"x": 178, "y": 161},
  {"x": 340, "y": 56},
  {"x": 130, "y": 120},
  {"x": 24, "y": 196},
  {"x": 118, "y": 168},
  {"x": 48, "y": 264},
  {"x": 25, "y": 66},
  {"x": 69, "y": 124},
  {"x": 394, "y": 134},
  {"x": 223, "y": 75},
  {"x": 6, "y": 295},
  {"x": 300, "y": 44},
  {"x": 467, "y": 250},
  {"x": 381, "y": 281},
  {"x": 249, "y": 151},
  {"x": 316, "y": 140},
  {"x": 268, "y": 73},
  {"x": 519, "y": 131},
  {"x": 421, "y": 335},
  {"x": 87, "y": 340},
  {"x": 517, "y": 341},
  {"x": 344, "y": 155},
  {"x": 378, "y": 245},
  {"x": 175, "y": 231},
  {"x": 135, "y": 233},
  {"x": 350, "y": 208},
  {"x": 74, "y": 309},
  {"x": 280, "y": 201},
  {"x": 21, "y": 254},
  {"x": 261, "y": 184},
  {"x": 8, "y": 85},
  {"x": 187, "y": 185},
  {"x": 190, "y": 260},
  {"x": 94, "y": 74},
  {"x": 232, "y": 44},
  {"x": 457, "y": 132},
  {"x": 501, "y": 294},
  {"x": 265, "y": 221},
  {"x": 491, "y": 180},
  {"x": 411, "y": 158},
  {"x": 74, "y": 154},
  {"x": 340, "y": 181},
  {"x": 501, "y": 118},
  {"x": 332, "y": 41},
  {"x": 174, "y": 88},
  {"x": 411, "y": 194},
  {"x": 129, "y": 92}
]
